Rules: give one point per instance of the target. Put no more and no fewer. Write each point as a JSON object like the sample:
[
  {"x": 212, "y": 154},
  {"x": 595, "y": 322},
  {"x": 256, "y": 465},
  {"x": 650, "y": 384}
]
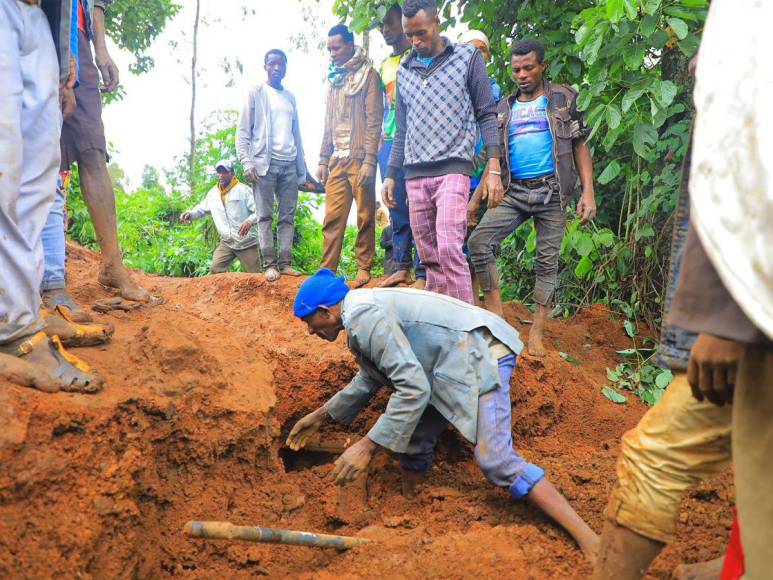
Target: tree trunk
[{"x": 192, "y": 152}]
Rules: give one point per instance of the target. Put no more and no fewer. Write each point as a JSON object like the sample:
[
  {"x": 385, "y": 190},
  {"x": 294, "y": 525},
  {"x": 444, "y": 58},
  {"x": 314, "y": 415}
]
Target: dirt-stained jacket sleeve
[{"x": 377, "y": 336}]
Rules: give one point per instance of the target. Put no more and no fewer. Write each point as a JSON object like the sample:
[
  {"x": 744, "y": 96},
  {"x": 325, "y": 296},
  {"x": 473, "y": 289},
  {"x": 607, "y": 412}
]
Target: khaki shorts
[{"x": 677, "y": 444}]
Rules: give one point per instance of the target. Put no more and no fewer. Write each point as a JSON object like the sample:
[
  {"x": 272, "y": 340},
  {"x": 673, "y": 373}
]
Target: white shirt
[
  {"x": 282, "y": 115},
  {"x": 731, "y": 181}
]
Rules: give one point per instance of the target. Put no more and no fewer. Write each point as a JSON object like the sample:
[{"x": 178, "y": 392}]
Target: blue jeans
[
  {"x": 494, "y": 452},
  {"x": 402, "y": 236},
  {"x": 53, "y": 245}
]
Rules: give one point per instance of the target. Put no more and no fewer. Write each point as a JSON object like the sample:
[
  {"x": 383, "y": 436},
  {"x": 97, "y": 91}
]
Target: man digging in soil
[{"x": 447, "y": 361}]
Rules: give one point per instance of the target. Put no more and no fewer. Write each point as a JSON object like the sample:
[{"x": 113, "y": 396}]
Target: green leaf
[
  {"x": 664, "y": 378},
  {"x": 614, "y": 396},
  {"x": 610, "y": 172},
  {"x": 614, "y": 10},
  {"x": 627, "y": 352},
  {"x": 630, "y": 98},
  {"x": 583, "y": 101},
  {"x": 633, "y": 57},
  {"x": 643, "y": 137},
  {"x": 679, "y": 27},
  {"x": 667, "y": 90},
  {"x": 613, "y": 375},
  {"x": 583, "y": 267},
  {"x": 613, "y": 116},
  {"x": 631, "y": 9},
  {"x": 630, "y": 330},
  {"x": 647, "y": 26},
  {"x": 605, "y": 238},
  {"x": 569, "y": 358},
  {"x": 646, "y": 232}
]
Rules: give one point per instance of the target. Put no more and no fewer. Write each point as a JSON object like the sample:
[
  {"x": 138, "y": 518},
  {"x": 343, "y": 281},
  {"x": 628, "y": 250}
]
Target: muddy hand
[
  {"x": 353, "y": 461},
  {"x": 305, "y": 428}
]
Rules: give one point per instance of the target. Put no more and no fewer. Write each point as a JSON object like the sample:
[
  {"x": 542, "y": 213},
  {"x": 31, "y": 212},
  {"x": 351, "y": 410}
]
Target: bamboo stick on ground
[{"x": 228, "y": 531}]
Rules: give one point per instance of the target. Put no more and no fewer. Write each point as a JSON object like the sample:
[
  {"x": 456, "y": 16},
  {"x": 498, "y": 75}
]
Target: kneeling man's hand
[
  {"x": 305, "y": 428},
  {"x": 354, "y": 461}
]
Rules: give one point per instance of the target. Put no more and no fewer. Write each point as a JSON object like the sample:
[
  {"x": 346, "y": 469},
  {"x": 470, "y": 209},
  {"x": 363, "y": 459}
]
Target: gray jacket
[
  {"x": 253, "y": 133},
  {"x": 430, "y": 348}
]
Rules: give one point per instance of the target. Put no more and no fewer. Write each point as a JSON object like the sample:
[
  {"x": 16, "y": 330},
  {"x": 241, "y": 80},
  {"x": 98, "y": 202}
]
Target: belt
[{"x": 537, "y": 182}]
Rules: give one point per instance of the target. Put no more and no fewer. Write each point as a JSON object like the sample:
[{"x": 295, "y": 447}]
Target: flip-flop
[
  {"x": 73, "y": 334},
  {"x": 54, "y": 299},
  {"x": 106, "y": 305},
  {"x": 73, "y": 374}
]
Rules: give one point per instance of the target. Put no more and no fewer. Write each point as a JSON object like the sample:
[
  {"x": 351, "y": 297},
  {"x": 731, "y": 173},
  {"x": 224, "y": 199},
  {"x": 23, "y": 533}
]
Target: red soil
[{"x": 200, "y": 394}]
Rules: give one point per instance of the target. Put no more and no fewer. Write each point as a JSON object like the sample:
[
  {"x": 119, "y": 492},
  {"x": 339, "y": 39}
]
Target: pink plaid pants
[{"x": 438, "y": 211}]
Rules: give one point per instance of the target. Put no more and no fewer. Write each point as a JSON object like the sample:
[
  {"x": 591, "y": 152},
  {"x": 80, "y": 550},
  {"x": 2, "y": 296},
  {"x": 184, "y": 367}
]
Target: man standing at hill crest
[
  {"x": 443, "y": 94},
  {"x": 268, "y": 142},
  {"x": 542, "y": 140},
  {"x": 347, "y": 159}
]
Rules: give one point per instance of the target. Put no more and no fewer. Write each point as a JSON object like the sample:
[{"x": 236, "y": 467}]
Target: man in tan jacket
[{"x": 347, "y": 164}]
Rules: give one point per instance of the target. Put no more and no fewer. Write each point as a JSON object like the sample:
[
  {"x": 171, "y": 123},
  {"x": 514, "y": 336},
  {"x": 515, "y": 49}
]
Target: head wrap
[
  {"x": 323, "y": 289},
  {"x": 471, "y": 35}
]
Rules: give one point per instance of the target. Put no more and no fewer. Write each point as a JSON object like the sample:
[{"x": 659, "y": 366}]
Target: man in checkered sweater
[{"x": 443, "y": 95}]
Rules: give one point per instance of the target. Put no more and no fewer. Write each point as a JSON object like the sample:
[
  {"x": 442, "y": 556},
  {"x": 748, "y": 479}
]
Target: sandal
[
  {"x": 60, "y": 323},
  {"x": 71, "y": 373},
  {"x": 52, "y": 299}
]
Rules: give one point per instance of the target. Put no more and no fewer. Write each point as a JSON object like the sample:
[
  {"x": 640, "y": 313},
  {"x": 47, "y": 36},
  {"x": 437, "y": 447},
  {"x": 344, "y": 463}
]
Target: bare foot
[
  {"x": 710, "y": 570},
  {"x": 119, "y": 278},
  {"x": 72, "y": 334},
  {"x": 419, "y": 284},
  {"x": 272, "y": 274},
  {"x": 536, "y": 346},
  {"x": 363, "y": 277},
  {"x": 411, "y": 481},
  {"x": 20, "y": 372},
  {"x": 399, "y": 277},
  {"x": 60, "y": 297},
  {"x": 52, "y": 367},
  {"x": 289, "y": 271}
]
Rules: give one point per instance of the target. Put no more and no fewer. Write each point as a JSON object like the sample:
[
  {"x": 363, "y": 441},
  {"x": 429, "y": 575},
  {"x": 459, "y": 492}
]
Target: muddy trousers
[
  {"x": 494, "y": 451},
  {"x": 30, "y": 124},
  {"x": 54, "y": 245},
  {"x": 682, "y": 441},
  {"x": 341, "y": 190},
  {"x": 224, "y": 256},
  {"x": 543, "y": 205}
]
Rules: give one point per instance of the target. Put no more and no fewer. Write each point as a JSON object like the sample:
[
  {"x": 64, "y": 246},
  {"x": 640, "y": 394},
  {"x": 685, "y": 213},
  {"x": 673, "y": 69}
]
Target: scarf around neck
[{"x": 351, "y": 74}]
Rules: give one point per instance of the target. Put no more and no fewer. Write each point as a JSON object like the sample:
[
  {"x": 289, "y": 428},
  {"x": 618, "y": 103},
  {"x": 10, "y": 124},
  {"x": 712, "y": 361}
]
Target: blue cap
[{"x": 322, "y": 289}]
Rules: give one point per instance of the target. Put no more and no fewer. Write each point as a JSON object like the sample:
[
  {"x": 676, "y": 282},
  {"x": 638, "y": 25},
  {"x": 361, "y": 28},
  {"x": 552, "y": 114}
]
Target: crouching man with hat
[
  {"x": 232, "y": 207},
  {"x": 446, "y": 362}
]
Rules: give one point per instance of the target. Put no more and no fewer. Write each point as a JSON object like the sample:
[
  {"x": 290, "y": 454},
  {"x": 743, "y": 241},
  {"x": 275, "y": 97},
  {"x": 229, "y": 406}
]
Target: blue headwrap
[{"x": 322, "y": 289}]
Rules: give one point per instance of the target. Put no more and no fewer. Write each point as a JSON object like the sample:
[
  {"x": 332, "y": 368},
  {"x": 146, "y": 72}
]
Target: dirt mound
[{"x": 201, "y": 391}]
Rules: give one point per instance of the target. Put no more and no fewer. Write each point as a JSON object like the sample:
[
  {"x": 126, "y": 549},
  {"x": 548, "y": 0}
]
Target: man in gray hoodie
[{"x": 268, "y": 142}]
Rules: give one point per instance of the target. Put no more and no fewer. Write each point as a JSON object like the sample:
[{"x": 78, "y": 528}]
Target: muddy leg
[
  {"x": 98, "y": 193},
  {"x": 546, "y": 497},
  {"x": 492, "y": 302},
  {"x": 537, "y": 332},
  {"x": 624, "y": 554}
]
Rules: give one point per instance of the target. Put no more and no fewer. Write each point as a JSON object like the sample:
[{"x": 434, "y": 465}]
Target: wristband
[{"x": 492, "y": 172}]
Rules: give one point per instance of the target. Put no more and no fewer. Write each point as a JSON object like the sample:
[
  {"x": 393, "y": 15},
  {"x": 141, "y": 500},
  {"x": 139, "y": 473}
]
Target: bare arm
[
  {"x": 586, "y": 207},
  {"x": 107, "y": 68}
]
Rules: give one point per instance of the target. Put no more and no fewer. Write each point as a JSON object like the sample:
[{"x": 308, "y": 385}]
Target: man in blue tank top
[{"x": 544, "y": 155}]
